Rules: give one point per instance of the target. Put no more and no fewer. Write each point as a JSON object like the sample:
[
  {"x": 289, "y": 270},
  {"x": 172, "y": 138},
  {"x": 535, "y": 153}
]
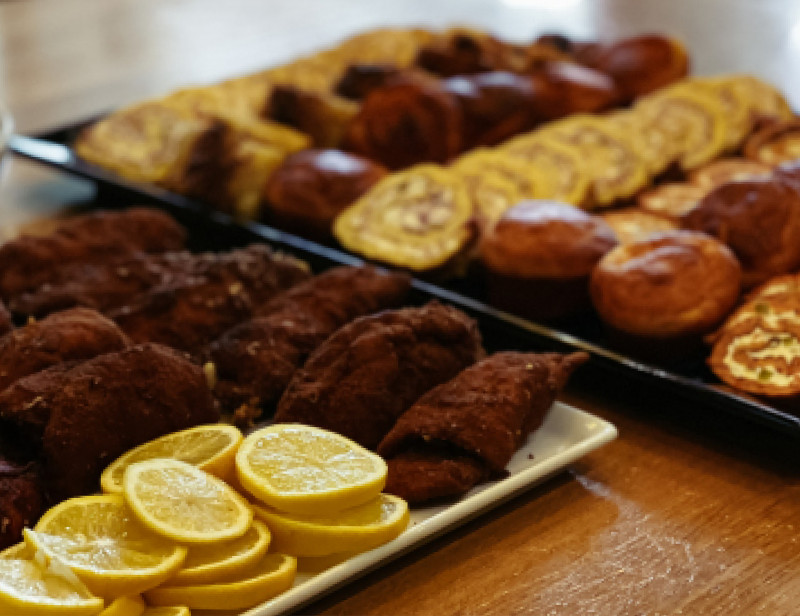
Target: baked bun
[
  {"x": 313, "y": 186},
  {"x": 631, "y": 224},
  {"x": 674, "y": 286},
  {"x": 759, "y": 220},
  {"x": 539, "y": 255}
]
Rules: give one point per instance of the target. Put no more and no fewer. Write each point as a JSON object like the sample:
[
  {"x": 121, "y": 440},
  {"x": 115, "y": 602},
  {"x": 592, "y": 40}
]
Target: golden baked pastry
[
  {"x": 631, "y": 224},
  {"x": 759, "y": 220},
  {"x": 420, "y": 219},
  {"x": 614, "y": 167},
  {"x": 651, "y": 142},
  {"x": 312, "y": 187},
  {"x": 539, "y": 255},
  {"x": 693, "y": 122},
  {"x": 148, "y": 142},
  {"x": 775, "y": 143},
  {"x": 672, "y": 201},
  {"x": 491, "y": 194},
  {"x": 559, "y": 162},
  {"x": 728, "y": 170},
  {"x": 529, "y": 180},
  {"x": 407, "y": 122},
  {"x": 642, "y": 64},
  {"x": 676, "y": 284},
  {"x": 761, "y": 354}
]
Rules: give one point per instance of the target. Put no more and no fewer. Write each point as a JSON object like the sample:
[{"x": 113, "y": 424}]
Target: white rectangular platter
[{"x": 566, "y": 435}]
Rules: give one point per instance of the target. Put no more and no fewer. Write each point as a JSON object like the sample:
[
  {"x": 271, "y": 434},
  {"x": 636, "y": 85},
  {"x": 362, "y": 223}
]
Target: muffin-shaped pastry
[
  {"x": 579, "y": 89},
  {"x": 631, "y": 224},
  {"x": 407, "y": 122},
  {"x": 658, "y": 296},
  {"x": 759, "y": 220},
  {"x": 312, "y": 187},
  {"x": 642, "y": 64},
  {"x": 539, "y": 256},
  {"x": 495, "y": 106}
]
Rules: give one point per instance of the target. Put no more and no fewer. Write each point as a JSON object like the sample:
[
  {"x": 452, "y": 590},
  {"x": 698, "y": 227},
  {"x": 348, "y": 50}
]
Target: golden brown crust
[
  {"x": 672, "y": 201},
  {"x": 775, "y": 143},
  {"x": 673, "y": 284},
  {"x": 545, "y": 239},
  {"x": 759, "y": 220},
  {"x": 312, "y": 187},
  {"x": 631, "y": 224},
  {"x": 70, "y": 335},
  {"x": 728, "y": 170},
  {"x": 362, "y": 378}
]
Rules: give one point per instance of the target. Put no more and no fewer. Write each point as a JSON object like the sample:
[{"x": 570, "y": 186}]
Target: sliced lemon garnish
[
  {"x": 302, "y": 469},
  {"x": 353, "y": 530},
  {"x": 125, "y": 606},
  {"x": 179, "y": 501},
  {"x": 99, "y": 538},
  {"x": 211, "y": 448},
  {"x": 43, "y": 587},
  {"x": 217, "y": 562},
  {"x": 18, "y": 550},
  {"x": 172, "y": 610},
  {"x": 272, "y": 576}
]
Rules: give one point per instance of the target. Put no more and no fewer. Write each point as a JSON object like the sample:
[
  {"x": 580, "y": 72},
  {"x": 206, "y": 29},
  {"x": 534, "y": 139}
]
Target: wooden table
[{"x": 684, "y": 514}]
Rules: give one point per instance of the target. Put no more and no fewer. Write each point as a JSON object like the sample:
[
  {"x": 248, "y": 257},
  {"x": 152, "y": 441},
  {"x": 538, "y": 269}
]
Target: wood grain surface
[{"x": 688, "y": 512}]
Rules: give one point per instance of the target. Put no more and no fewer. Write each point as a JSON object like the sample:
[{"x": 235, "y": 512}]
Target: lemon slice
[
  {"x": 353, "y": 530},
  {"x": 43, "y": 587},
  {"x": 211, "y": 448},
  {"x": 179, "y": 501},
  {"x": 18, "y": 550},
  {"x": 272, "y": 576},
  {"x": 99, "y": 538},
  {"x": 172, "y": 610},
  {"x": 125, "y": 606},
  {"x": 221, "y": 561},
  {"x": 302, "y": 469}
]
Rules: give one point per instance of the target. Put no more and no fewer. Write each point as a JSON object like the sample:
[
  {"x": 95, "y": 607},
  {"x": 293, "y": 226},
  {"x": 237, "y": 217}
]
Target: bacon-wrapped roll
[
  {"x": 420, "y": 219},
  {"x": 467, "y": 429},
  {"x": 407, "y": 122},
  {"x": 362, "y": 378}
]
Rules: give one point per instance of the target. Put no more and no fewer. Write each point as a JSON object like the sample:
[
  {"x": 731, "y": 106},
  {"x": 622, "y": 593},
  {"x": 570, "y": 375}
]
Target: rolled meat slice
[{"x": 467, "y": 429}]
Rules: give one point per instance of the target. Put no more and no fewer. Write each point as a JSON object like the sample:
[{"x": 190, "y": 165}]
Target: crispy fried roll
[
  {"x": 256, "y": 359},
  {"x": 28, "y": 262},
  {"x": 189, "y": 311},
  {"x": 369, "y": 372},
  {"x": 467, "y": 429},
  {"x": 86, "y": 415},
  {"x": 71, "y": 335},
  {"x": 21, "y": 499}
]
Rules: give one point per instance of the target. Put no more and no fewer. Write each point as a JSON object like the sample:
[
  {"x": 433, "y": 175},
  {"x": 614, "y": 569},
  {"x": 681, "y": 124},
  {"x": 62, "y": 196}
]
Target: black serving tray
[{"x": 212, "y": 230}]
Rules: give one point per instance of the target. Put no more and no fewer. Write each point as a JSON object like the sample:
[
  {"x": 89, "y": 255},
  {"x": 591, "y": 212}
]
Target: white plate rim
[{"x": 429, "y": 523}]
